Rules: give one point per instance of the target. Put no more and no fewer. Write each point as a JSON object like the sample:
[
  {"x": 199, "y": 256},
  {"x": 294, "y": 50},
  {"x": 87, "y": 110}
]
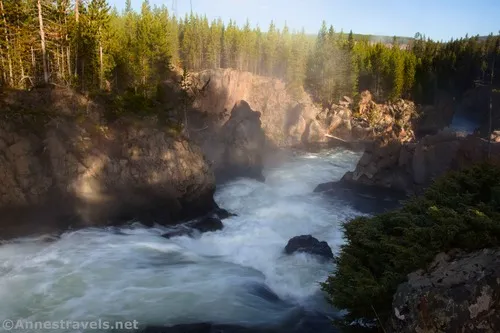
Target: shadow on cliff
[{"x": 63, "y": 166}]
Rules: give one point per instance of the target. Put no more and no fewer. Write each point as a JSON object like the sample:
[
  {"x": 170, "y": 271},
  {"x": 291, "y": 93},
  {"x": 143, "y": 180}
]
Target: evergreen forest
[{"x": 87, "y": 45}]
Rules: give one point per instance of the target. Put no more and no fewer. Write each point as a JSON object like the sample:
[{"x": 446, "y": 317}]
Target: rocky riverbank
[
  {"x": 457, "y": 292},
  {"x": 411, "y": 166},
  {"x": 387, "y": 272},
  {"x": 63, "y": 166}
]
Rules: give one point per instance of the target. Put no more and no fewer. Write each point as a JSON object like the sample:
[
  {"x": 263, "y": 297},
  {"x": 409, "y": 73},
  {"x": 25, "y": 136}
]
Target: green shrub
[
  {"x": 139, "y": 106},
  {"x": 460, "y": 210}
]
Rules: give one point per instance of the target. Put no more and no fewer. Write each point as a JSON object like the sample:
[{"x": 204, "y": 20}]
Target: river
[{"x": 238, "y": 275}]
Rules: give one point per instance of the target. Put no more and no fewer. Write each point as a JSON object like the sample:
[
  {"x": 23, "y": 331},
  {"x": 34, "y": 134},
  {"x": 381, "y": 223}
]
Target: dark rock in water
[
  {"x": 207, "y": 223},
  {"x": 362, "y": 190},
  {"x": 323, "y": 187},
  {"x": 364, "y": 198},
  {"x": 222, "y": 213},
  {"x": 309, "y": 244},
  {"x": 183, "y": 231}
]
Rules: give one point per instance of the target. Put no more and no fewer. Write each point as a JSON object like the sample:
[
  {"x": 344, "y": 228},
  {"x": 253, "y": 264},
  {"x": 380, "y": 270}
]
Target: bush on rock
[{"x": 460, "y": 210}]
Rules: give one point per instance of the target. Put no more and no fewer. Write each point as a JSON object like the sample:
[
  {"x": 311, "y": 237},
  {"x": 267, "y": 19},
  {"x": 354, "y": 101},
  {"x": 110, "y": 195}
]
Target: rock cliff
[
  {"x": 412, "y": 166},
  {"x": 365, "y": 120},
  {"x": 62, "y": 165},
  {"x": 458, "y": 293},
  {"x": 286, "y": 120},
  {"x": 238, "y": 149},
  {"x": 362, "y": 119}
]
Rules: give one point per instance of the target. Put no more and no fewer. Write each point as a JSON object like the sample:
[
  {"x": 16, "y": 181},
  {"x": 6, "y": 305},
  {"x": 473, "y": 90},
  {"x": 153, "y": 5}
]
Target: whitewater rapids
[{"x": 238, "y": 275}]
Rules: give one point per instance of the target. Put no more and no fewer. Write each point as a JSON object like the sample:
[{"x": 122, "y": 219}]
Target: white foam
[{"x": 133, "y": 273}]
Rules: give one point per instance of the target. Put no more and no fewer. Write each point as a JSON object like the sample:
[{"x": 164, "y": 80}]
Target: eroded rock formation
[
  {"x": 367, "y": 120},
  {"x": 60, "y": 167},
  {"x": 412, "y": 166},
  {"x": 237, "y": 148},
  {"x": 286, "y": 120}
]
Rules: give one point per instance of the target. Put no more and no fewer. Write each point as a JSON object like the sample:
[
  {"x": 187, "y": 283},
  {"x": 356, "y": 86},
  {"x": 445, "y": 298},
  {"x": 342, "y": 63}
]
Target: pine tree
[
  {"x": 397, "y": 72},
  {"x": 88, "y": 46},
  {"x": 269, "y": 50},
  {"x": 284, "y": 53},
  {"x": 97, "y": 21},
  {"x": 296, "y": 69}
]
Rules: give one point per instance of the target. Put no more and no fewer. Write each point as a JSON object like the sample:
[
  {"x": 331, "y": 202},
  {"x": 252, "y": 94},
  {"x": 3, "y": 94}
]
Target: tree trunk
[
  {"x": 22, "y": 70},
  {"x": 4, "y": 77},
  {"x": 42, "y": 41},
  {"x": 77, "y": 18},
  {"x": 59, "y": 68},
  {"x": 101, "y": 68},
  {"x": 63, "y": 63},
  {"x": 77, "y": 11},
  {"x": 490, "y": 125},
  {"x": 9, "y": 59},
  {"x": 83, "y": 74},
  {"x": 67, "y": 43},
  {"x": 33, "y": 63},
  {"x": 68, "y": 55}
]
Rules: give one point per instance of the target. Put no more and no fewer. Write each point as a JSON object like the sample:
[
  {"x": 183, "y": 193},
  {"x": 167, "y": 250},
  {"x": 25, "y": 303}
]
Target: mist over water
[
  {"x": 461, "y": 123},
  {"x": 238, "y": 275}
]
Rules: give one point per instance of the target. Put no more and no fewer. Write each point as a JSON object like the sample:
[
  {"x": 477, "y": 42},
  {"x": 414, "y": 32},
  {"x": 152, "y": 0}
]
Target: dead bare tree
[
  {"x": 7, "y": 44},
  {"x": 42, "y": 41}
]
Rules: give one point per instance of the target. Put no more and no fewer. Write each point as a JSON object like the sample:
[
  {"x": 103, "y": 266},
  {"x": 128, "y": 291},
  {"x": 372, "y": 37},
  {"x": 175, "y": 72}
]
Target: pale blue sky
[{"x": 438, "y": 19}]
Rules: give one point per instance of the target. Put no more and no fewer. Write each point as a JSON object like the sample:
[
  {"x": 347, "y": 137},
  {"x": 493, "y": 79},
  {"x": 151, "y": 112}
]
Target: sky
[{"x": 437, "y": 19}]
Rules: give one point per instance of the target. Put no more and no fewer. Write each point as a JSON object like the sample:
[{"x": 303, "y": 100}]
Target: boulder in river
[
  {"x": 458, "y": 293},
  {"x": 309, "y": 244},
  {"x": 205, "y": 224},
  {"x": 208, "y": 223},
  {"x": 223, "y": 213},
  {"x": 178, "y": 232},
  {"x": 364, "y": 198}
]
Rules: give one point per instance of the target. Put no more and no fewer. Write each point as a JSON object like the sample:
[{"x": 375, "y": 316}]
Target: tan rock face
[
  {"x": 72, "y": 173},
  {"x": 458, "y": 293},
  {"x": 285, "y": 118},
  {"x": 412, "y": 166},
  {"x": 366, "y": 120}
]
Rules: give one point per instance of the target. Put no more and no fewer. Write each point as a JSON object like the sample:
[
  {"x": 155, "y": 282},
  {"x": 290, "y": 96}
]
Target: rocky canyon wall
[
  {"x": 287, "y": 120},
  {"x": 61, "y": 166}
]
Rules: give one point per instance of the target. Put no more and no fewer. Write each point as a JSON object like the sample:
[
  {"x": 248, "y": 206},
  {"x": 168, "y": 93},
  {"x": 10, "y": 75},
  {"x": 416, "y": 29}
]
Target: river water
[{"x": 238, "y": 275}]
